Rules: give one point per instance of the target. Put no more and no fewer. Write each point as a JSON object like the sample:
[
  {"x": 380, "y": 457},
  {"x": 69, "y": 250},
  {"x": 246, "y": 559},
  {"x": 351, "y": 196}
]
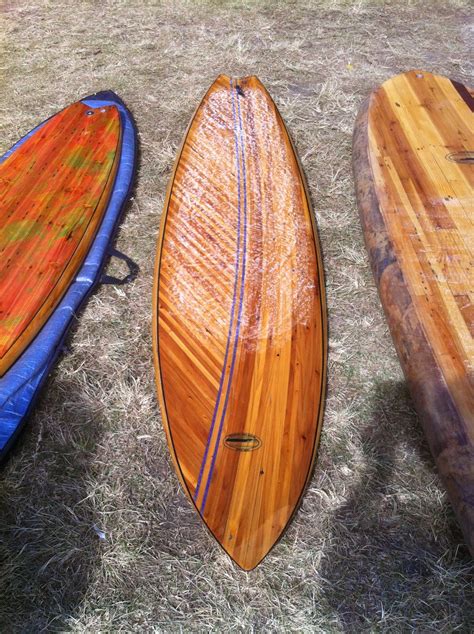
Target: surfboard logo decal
[
  {"x": 220, "y": 410},
  {"x": 466, "y": 157},
  {"x": 242, "y": 442}
]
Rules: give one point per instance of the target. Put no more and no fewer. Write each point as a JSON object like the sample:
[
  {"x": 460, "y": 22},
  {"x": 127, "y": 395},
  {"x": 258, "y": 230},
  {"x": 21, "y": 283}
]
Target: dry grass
[{"x": 374, "y": 546}]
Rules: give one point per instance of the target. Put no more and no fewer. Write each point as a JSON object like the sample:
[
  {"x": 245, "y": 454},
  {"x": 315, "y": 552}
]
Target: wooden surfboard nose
[
  {"x": 413, "y": 166},
  {"x": 240, "y": 320}
]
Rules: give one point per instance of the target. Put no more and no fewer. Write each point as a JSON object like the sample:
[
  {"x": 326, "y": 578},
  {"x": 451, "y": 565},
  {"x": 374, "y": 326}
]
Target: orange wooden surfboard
[
  {"x": 54, "y": 190},
  {"x": 414, "y": 169},
  {"x": 240, "y": 320}
]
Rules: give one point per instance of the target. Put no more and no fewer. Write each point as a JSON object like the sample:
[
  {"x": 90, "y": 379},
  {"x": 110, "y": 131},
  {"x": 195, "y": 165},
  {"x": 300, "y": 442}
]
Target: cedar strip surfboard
[
  {"x": 54, "y": 190},
  {"x": 240, "y": 320},
  {"x": 414, "y": 172}
]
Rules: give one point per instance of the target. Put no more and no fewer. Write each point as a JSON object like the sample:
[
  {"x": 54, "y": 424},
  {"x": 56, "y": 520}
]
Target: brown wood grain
[
  {"x": 240, "y": 325},
  {"x": 415, "y": 192}
]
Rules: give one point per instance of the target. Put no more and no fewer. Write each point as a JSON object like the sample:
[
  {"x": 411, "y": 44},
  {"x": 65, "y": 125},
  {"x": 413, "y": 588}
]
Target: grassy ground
[{"x": 375, "y": 546}]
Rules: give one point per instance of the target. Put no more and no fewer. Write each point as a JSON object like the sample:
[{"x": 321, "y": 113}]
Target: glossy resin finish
[
  {"x": 414, "y": 168},
  {"x": 54, "y": 190},
  {"x": 240, "y": 335}
]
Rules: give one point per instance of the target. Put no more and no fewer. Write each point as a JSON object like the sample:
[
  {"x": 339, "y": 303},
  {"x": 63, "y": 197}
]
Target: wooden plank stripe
[{"x": 240, "y": 177}]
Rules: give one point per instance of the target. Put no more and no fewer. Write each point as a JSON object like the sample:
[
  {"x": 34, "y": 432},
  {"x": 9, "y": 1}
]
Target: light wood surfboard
[
  {"x": 414, "y": 172},
  {"x": 240, "y": 320}
]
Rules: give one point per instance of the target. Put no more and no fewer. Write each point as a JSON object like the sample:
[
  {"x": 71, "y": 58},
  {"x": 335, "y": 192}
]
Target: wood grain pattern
[
  {"x": 413, "y": 148},
  {"x": 240, "y": 332},
  {"x": 54, "y": 191}
]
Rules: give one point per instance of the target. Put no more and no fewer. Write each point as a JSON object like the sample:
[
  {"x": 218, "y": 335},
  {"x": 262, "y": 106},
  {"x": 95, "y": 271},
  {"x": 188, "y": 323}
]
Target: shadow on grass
[
  {"x": 393, "y": 554},
  {"x": 48, "y": 543},
  {"x": 49, "y": 540}
]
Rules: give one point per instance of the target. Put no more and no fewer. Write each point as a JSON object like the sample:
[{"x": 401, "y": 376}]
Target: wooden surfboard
[
  {"x": 240, "y": 320},
  {"x": 54, "y": 189},
  {"x": 414, "y": 172}
]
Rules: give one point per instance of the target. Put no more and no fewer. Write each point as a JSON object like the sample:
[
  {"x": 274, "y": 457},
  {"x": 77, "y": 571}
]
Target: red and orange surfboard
[
  {"x": 54, "y": 190},
  {"x": 63, "y": 189}
]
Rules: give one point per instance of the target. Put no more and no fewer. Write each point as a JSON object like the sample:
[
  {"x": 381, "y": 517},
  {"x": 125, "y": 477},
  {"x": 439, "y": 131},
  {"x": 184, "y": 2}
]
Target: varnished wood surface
[
  {"x": 239, "y": 331},
  {"x": 54, "y": 190},
  {"x": 413, "y": 163}
]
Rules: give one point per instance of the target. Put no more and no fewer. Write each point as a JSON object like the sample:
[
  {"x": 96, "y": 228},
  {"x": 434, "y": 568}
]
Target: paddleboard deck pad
[
  {"x": 63, "y": 188},
  {"x": 414, "y": 172},
  {"x": 240, "y": 320}
]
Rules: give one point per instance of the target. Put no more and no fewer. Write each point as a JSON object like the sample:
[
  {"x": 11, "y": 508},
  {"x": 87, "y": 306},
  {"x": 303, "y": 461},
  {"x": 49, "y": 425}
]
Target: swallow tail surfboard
[
  {"x": 240, "y": 320},
  {"x": 414, "y": 172},
  {"x": 63, "y": 187}
]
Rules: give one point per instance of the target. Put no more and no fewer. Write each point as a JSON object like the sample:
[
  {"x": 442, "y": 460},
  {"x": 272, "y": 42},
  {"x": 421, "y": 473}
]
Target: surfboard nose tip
[
  {"x": 105, "y": 95},
  {"x": 238, "y": 80}
]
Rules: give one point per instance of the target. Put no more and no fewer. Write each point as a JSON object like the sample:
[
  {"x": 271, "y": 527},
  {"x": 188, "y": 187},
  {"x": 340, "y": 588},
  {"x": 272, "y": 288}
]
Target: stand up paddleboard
[
  {"x": 240, "y": 320},
  {"x": 414, "y": 171},
  {"x": 63, "y": 187}
]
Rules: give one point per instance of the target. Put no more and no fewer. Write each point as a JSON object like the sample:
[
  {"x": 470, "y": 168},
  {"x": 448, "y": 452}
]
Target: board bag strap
[{"x": 133, "y": 269}]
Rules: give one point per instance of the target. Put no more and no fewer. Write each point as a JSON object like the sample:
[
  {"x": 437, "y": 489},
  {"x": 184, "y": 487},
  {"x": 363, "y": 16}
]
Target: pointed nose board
[{"x": 240, "y": 320}]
